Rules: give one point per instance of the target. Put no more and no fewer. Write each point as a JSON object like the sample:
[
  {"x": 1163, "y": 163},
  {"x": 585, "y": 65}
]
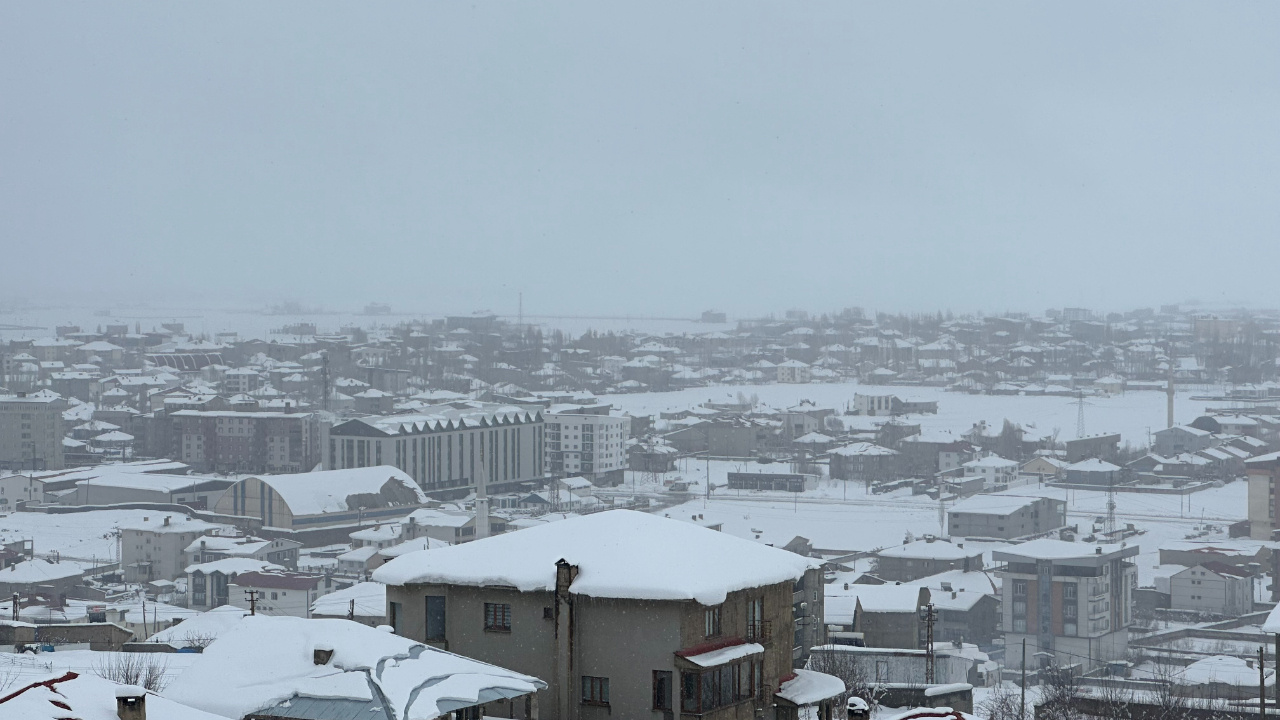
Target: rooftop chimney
[
  {"x": 131, "y": 703},
  {"x": 322, "y": 654},
  {"x": 1098, "y": 550},
  {"x": 166, "y": 520}
]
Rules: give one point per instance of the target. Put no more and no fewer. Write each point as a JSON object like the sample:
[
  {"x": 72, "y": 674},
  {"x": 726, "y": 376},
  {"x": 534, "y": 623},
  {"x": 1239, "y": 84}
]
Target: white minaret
[{"x": 482, "y": 501}]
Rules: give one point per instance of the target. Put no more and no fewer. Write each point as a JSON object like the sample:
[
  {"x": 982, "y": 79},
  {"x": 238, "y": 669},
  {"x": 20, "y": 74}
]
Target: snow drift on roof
[
  {"x": 619, "y": 553},
  {"x": 266, "y": 660}
]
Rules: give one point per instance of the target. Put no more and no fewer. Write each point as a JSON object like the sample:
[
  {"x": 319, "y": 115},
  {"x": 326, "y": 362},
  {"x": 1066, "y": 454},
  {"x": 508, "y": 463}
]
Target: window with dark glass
[
  {"x": 393, "y": 616},
  {"x": 661, "y": 690},
  {"x": 595, "y": 690},
  {"x": 435, "y": 618}
]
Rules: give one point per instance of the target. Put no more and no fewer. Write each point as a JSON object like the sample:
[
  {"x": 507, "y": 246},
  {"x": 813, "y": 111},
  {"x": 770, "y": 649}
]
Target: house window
[
  {"x": 1019, "y": 625},
  {"x": 662, "y": 690},
  {"x": 711, "y": 621},
  {"x": 497, "y": 617},
  {"x": 595, "y": 690},
  {"x": 435, "y": 618},
  {"x": 755, "y": 619},
  {"x": 717, "y": 687},
  {"x": 1069, "y": 592},
  {"x": 1019, "y": 588},
  {"x": 393, "y": 616}
]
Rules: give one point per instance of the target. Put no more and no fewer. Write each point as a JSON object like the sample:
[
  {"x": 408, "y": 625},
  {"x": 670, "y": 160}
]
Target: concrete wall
[{"x": 623, "y": 640}]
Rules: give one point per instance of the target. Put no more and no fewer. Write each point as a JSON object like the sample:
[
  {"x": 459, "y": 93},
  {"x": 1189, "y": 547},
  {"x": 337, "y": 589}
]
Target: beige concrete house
[{"x": 625, "y": 614}]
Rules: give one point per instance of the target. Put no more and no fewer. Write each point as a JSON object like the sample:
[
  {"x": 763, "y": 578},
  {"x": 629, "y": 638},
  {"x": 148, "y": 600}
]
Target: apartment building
[
  {"x": 1005, "y": 516},
  {"x": 154, "y": 549},
  {"x": 279, "y": 592},
  {"x": 233, "y": 441},
  {"x": 922, "y": 558},
  {"x": 1071, "y": 602},
  {"x": 445, "y": 449},
  {"x": 31, "y": 431},
  {"x": 625, "y": 614},
  {"x": 593, "y": 446},
  {"x": 1262, "y": 471},
  {"x": 1213, "y": 587}
]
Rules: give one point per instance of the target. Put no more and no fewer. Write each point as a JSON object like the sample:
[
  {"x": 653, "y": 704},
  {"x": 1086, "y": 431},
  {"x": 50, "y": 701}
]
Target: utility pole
[
  {"x": 1262, "y": 685},
  {"x": 253, "y": 601},
  {"x": 1022, "y": 678},
  {"x": 929, "y": 614}
]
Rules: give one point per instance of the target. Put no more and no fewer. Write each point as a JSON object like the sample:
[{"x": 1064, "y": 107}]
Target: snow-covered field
[
  {"x": 1131, "y": 414},
  {"x": 79, "y": 536},
  {"x": 841, "y": 516}
]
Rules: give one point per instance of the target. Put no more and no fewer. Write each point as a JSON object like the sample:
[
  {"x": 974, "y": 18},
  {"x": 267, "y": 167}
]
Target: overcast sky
[{"x": 642, "y": 158}]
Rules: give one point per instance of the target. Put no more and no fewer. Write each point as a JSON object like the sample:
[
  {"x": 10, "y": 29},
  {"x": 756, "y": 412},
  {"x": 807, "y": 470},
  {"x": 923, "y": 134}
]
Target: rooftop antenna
[{"x": 520, "y": 312}]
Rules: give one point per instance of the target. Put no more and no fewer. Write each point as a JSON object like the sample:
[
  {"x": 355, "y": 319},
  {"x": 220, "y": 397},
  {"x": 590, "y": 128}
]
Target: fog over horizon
[{"x": 654, "y": 159}]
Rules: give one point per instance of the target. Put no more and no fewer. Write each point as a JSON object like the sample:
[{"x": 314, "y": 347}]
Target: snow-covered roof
[
  {"x": 925, "y": 550},
  {"x": 862, "y": 448},
  {"x": 808, "y": 687},
  {"x": 879, "y": 598},
  {"x": 37, "y": 570},
  {"x": 404, "y": 548},
  {"x": 815, "y": 438},
  {"x": 991, "y": 461},
  {"x": 1050, "y": 549},
  {"x": 994, "y": 504},
  {"x": 727, "y": 654},
  {"x": 1225, "y": 670},
  {"x": 326, "y": 491},
  {"x": 171, "y": 524},
  {"x": 619, "y": 553},
  {"x": 84, "y": 696},
  {"x": 236, "y": 565},
  {"x": 266, "y": 661},
  {"x": 1092, "y": 465},
  {"x": 370, "y": 601},
  {"x": 204, "y": 627}
]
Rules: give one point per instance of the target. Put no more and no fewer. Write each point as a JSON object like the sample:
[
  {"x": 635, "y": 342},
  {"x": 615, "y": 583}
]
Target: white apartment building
[
  {"x": 154, "y": 549},
  {"x": 994, "y": 470},
  {"x": 592, "y": 446},
  {"x": 15, "y": 489},
  {"x": 444, "y": 448}
]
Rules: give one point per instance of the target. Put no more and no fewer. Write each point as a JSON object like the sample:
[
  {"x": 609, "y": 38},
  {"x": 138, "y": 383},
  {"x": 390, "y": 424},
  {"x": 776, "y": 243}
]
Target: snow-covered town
[
  {"x": 813, "y": 513},
  {"x": 639, "y": 361}
]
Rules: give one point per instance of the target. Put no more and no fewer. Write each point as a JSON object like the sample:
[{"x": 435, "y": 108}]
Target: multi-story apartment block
[
  {"x": 245, "y": 441},
  {"x": 1071, "y": 602},
  {"x": 31, "y": 431},
  {"x": 154, "y": 549},
  {"x": 445, "y": 449},
  {"x": 625, "y": 614},
  {"x": 1263, "y": 471},
  {"x": 593, "y": 446},
  {"x": 1005, "y": 516}
]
